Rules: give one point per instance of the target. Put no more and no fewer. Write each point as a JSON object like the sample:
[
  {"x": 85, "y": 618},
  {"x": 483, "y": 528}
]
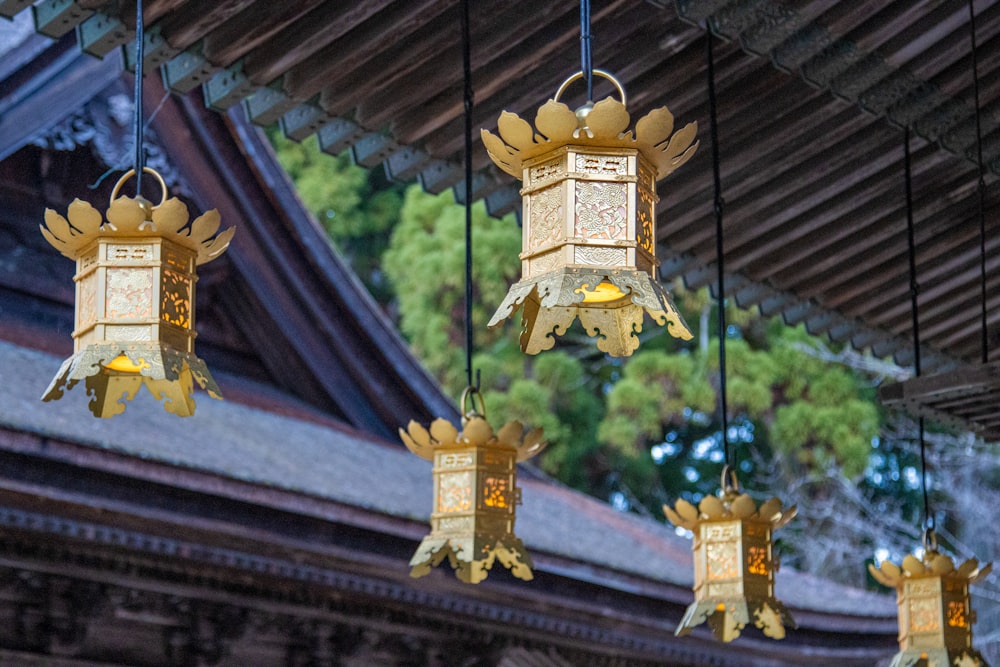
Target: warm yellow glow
[
  {"x": 720, "y": 607},
  {"x": 956, "y": 615},
  {"x": 757, "y": 560},
  {"x": 605, "y": 292},
  {"x": 123, "y": 364}
]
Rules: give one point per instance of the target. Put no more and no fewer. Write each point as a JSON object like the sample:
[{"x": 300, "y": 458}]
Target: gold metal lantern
[
  {"x": 734, "y": 562},
  {"x": 935, "y": 616},
  {"x": 589, "y": 219},
  {"x": 135, "y": 280},
  {"x": 475, "y": 493}
]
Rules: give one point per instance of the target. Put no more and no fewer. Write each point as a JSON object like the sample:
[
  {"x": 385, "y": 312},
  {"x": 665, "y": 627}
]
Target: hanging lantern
[
  {"x": 475, "y": 493},
  {"x": 734, "y": 563},
  {"x": 935, "y": 617},
  {"x": 589, "y": 219},
  {"x": 135, "y": 276}
]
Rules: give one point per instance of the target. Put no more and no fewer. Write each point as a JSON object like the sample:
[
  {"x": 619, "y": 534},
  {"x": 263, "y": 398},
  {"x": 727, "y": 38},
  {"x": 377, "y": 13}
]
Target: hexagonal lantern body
[
  {"x": 933, "y": 613},
  {"x": 585, "y": 207},
  {"x": 475, "y": 495},
  {"x": 135, "y": 290},
  {"x": 732, "y": 560}
]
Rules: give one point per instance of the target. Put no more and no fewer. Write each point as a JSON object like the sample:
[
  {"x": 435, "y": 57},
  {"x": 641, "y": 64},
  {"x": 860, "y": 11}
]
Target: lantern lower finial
[{"x": 475, "y": 495}]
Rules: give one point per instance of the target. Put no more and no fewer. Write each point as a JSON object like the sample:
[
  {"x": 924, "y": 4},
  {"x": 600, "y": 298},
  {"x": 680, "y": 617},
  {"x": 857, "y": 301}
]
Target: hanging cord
[
  {"x": 586, "y": 59},
  {"x": 719, "y": 205},
  {"x": 139, "y": 156},
  {"x": 928, "y": 522},
  {"x": 469, "y": 100},
  {"x": 982, "y": 185},
  {"x": 911, "y": 245}
]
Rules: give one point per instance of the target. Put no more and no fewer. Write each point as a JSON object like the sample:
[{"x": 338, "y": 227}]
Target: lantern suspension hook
[
  {"x": 930, "y": 538},
  {"x": 730, "y": 482},
  {"x": 146, "y": 170},
  {"x": 473, "y": 404},
  {"x": 599, "y": 72}
]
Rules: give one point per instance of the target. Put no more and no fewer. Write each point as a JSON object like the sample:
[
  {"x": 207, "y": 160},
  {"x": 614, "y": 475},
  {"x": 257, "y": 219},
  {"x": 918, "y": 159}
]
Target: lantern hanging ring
[
  {"x": 730, "y": 484},
  {"x": 471, "y": 393},
  {"x": 599, "y": 72},
  {"x": 930, "y": 540},
  {"x": 146, "y": 170}
]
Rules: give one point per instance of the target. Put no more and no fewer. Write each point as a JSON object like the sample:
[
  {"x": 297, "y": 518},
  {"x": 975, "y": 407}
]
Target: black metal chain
[
  {"x": 140, "y": 157},
  {"x": 911, "y": 245},
  {"x": 985, "y": 342},
  {"x": 719, "y": 206},
  {"x": 586, "y": 58},
  {"x": 469, "y": 101}
]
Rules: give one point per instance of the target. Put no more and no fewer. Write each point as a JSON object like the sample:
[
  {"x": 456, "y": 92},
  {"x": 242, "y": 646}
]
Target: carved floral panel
[
  {"x": 546, "y": 216},
  {"x": 599, "y": 256},
  {"x": 601, "y": 210},
  {"x": 86, "y": 308},
  {"x": 129, "y": 293},
  {"x": 455, "y": 492}
]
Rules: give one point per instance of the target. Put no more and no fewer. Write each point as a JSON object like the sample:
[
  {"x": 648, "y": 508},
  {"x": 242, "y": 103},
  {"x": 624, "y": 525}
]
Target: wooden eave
[
  {"x": 957, "y": 398},
  {"x": 140, "y": 525},
  {"x": 812, "y": 96}
]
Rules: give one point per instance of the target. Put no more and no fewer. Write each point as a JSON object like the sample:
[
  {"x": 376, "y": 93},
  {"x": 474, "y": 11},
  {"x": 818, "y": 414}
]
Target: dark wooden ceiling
[{"x": 812, "y": 98}]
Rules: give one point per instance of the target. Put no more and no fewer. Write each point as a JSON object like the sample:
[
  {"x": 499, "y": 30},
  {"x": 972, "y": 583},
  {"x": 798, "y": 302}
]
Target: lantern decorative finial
[
  {"x": 589, "y": 216},
  {"x": 935, "y": 615},
  {"x": 135, "y": 277},
  {"x": 734, "y": 563},
  {"x": 475, "y": 492}
]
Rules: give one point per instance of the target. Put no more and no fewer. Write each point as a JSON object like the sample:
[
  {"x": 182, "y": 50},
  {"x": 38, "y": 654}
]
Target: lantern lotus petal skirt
[
  {"x": 168, "y": 374},
  {"x": 553, "y": 300}
]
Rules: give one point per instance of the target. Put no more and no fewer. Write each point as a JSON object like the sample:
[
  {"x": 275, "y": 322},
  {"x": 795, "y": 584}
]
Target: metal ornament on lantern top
[
  {"x": 935, "y": 615},
  {"x": 589, "y": 219},
  {"x": 135, "y": 278},
  {"x": 475, "y": 493},
  {"x": 734, "y": 562}
]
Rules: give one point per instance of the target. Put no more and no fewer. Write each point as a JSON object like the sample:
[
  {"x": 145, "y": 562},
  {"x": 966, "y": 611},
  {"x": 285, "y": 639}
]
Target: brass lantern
[
  {"x": 935, "y": 617},
  {"x": 475, "y": 493},
  {"x": 734, "y": 562},
  {"x": 135, "y": 278},
  {"x": 589, "y": 219}
]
